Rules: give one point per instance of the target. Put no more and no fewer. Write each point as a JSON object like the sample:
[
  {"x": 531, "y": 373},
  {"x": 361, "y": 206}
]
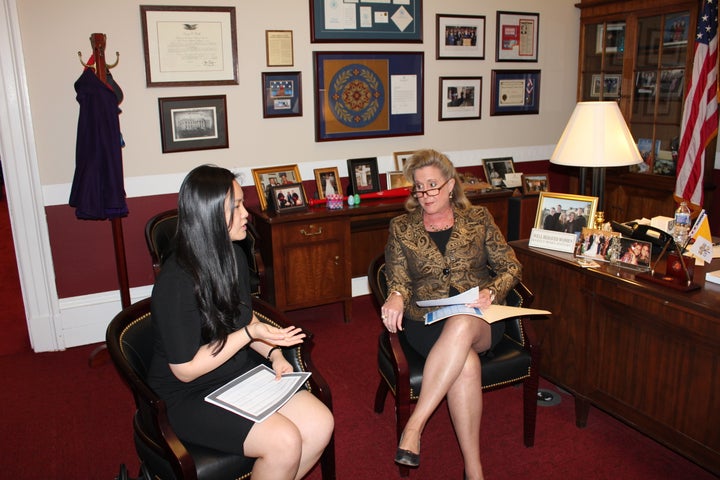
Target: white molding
[
  {"x": 24, "y": 192},
  {"x": 58, "y": 194}
]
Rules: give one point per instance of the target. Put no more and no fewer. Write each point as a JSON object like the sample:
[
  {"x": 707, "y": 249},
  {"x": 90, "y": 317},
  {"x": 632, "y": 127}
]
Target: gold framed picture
[
  {"x": 561, "y": 212},
  {"x": 401, "y": 158},
  {"x": 328, "y": 182},
  {"x": 266, "y": 178}
]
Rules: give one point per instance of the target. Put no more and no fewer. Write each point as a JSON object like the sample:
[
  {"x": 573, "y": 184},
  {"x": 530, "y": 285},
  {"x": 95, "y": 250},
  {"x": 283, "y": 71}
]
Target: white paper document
[
  {"x": 467, "y": 296},
  {"x": 256, "y": 394}
]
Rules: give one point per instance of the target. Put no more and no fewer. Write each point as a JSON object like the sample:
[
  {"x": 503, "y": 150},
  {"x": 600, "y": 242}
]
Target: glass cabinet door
[
  {"x": 604, "y": 52},
  {"x": 659, "y": 86}
]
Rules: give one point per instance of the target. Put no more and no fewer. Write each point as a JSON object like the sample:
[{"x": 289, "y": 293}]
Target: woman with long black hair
[{"x": 207, "y": 335}]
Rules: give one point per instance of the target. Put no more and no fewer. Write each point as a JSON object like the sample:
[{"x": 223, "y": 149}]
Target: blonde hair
[{"x": 433, "y": 158}]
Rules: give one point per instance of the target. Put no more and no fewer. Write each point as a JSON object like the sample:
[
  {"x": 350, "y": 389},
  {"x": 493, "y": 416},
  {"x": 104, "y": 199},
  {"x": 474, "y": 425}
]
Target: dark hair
[{"x": 205, "y": 250}]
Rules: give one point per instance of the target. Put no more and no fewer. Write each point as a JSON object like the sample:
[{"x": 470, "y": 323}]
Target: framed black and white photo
[
  {"x": 533, "y": 184},
  {"x": 193, "y": 123},
  {"x": 517, "y": 37},
  {"x": 363, "y": 174},
  {"x": 460, "y": 98},
  {"x": 496, "y": 169},
  {"x": 282, "y": 94},
  {"x": 186, "y": 45},
  {"x": 515, "y": 92},
  {"x": 460, "y": 37}
]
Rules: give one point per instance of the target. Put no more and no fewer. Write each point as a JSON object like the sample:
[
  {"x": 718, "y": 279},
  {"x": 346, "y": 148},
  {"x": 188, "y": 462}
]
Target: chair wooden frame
[
  {"x": 400, "y": 366},
  {"x": 156, "y": 443}
]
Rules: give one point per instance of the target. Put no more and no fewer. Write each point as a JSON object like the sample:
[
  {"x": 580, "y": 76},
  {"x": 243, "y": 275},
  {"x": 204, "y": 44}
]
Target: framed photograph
[
  {"x": 266, "y": 178},
  {"x": 676, "y": 29},
  {"x": 609, "y": 85},
  {"x": 328, "y": 182},
  {"x": 288, "y": 198},
  {"x": 193, "y": 123},
  {"x": 645, "y": 83},
  {"x": 614, "y": 36},
  {"x": 187, "y": 46},
  {"x": 377, "y": 21},
  {"x": 533, "y": 184},
  {"x": 279, "y": 48},
  {"x": 671, "y": 83},
  {"x": 496, "y": 169},
  {"x": 282, "y": 94},
  {"x": 515, "y": 92},
  {"x": 517, "y": 37},
  {"x": 396, "y": 179},
  {"x": 561, "y": 212},
  {"x": 634, "y": 254},
  {"x": 460, "y": 98},
  {"x": 460, "y": 37},
  {"x": 353, "y": 95},
  {"x": 596, "y": 244},
  {"x": 363, "y": 173},
  {"x": 401, "y": 158}
]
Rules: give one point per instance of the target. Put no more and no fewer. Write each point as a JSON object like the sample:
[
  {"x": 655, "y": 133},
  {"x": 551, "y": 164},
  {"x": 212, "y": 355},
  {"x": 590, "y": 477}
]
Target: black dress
[{"x": 177, "y": 323}]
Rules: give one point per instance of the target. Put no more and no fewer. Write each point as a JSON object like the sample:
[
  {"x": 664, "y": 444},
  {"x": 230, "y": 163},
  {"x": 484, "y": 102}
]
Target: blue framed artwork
[
  {"x": 515, "y": 92},
  {"x": 282, "y": 94},
  {"x": 368, "y": 95},
  {"x": 353, "y": 21}
]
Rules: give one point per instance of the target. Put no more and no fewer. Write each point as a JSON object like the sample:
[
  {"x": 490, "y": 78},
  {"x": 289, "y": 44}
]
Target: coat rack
[{"x": 100, "y": 67}]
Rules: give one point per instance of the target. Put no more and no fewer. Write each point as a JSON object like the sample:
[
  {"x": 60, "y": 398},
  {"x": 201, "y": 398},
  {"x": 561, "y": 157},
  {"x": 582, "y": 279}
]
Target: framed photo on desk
[{"x": 554, "y": 211}]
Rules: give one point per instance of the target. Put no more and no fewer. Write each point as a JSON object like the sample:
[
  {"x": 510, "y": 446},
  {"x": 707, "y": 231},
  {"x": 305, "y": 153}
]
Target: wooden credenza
[
  {"x": 312, "y": 256},
  {"x": 645, "y": 353}
]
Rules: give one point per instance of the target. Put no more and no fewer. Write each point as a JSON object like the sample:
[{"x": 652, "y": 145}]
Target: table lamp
[{"x": 596, "y": 136}]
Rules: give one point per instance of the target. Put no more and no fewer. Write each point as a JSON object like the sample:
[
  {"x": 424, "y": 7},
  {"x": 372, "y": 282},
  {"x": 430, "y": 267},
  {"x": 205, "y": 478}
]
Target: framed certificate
[
  {"x": 189, "y": 45},
  {"x": 515, "y": 92}
]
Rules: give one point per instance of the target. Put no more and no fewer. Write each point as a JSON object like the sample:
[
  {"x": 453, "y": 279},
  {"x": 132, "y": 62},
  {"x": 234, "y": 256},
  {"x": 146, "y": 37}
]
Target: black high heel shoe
[{"x": 406, "y": 457}]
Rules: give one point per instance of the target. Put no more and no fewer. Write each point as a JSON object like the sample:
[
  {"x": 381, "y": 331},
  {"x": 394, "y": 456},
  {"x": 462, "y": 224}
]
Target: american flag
[{"x": 699, "y": 121}]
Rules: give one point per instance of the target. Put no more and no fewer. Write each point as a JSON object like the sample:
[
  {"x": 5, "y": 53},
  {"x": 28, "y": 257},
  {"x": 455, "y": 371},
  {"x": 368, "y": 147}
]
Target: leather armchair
[{"x": 514, "y": 360}]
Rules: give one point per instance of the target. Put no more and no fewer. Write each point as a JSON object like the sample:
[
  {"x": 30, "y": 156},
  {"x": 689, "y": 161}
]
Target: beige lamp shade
[{"x": 596, "y": 136}]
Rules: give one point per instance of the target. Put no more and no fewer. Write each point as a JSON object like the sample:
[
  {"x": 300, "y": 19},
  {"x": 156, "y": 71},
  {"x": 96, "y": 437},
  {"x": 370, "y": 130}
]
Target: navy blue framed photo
[
  {"x": 282, "y": 94},
  {"x": 515, "y": 92},
  {"x": 366, "y": 22},
  {"x": 368, "y": 95}
]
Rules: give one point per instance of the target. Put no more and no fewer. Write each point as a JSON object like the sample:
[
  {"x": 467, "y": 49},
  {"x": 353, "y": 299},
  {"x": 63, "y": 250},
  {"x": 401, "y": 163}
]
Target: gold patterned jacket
[{"x": 476, "y": 255}]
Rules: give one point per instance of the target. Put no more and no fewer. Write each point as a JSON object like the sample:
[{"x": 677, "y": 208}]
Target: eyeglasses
[{"x": 430, "y": 192}]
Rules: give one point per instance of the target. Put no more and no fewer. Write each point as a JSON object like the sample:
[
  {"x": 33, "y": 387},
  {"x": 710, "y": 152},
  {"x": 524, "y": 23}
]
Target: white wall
[{"x": 54, "y": 31}]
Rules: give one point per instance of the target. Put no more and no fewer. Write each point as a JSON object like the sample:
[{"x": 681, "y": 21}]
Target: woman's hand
[
  {"x": 485, "y": 298},
  {"x": 392, "y": 312},
  {"x": 281, "y": 366},
  {"x": 285, "y": 337}
]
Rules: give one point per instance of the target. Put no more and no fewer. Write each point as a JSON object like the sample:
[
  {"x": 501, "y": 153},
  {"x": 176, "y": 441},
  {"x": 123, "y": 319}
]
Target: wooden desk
[
  {"x": 645, "y": 353},
  {"x": 312, "y": 256}
]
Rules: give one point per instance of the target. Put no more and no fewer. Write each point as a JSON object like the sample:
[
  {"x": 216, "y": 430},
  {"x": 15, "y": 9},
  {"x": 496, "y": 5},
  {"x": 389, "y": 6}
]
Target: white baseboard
[{"x": 84, "y": 319}]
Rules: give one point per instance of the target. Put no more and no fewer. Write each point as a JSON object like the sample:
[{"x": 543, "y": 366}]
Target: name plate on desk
[{"x": 551, "y": 240}]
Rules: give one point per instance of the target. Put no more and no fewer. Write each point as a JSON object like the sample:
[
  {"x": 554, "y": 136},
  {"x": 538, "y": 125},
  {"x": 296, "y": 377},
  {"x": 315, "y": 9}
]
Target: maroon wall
[{"x": 84, "y": 255}]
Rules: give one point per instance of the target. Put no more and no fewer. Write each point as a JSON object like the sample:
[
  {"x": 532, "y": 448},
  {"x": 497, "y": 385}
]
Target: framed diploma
[
  {"x": 517, "y": 37},
  {"x": 515, "y": 92},
  {"x": 187, "y": 46},
  {"x": 368, "y": 95},
  {"x": 279, "y": 48}
]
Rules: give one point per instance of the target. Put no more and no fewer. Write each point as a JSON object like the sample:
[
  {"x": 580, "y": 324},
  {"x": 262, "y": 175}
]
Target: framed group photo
[
  {"x": 460, "y": 37},
  {"x": 354, "y": 91},
  {"x": 460, "y": 98},
  {"x": 282, "y": 94},
  {"x": 606, "y": 84},
  {"x": 288, "y": 198},
  {"x": 193, "y": 123},
  {"x": 363, "y": 174},
  {"x": 170, "y": 31},
  {"x": 533, "y": 184},
  {"x": 328, "y": 182},
  {"x": 517, "y": 37},
  {"x": 496, "y": 169},
  {"x": 560, "y": 212},
  {"x": 269, "y": 177},
  {"x": 515, "y": 92}
]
